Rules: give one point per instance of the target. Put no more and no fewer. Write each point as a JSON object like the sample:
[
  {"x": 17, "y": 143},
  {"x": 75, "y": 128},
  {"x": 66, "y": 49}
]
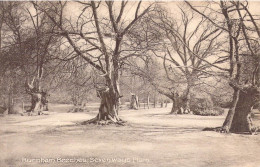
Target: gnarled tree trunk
[
  {"x": 38, "y": 98},
  {"x": 239, "y": 118},
  {"x": 181, "y": 105},
  {"x": 242, "y": 121},
  {"x": 36, "y": 103},
  {"x": 108, "y": 110}
]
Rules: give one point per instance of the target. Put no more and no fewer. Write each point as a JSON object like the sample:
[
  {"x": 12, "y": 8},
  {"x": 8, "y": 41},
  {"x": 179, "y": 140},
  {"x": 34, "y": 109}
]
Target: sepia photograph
[{"x": 128, "y": 83}]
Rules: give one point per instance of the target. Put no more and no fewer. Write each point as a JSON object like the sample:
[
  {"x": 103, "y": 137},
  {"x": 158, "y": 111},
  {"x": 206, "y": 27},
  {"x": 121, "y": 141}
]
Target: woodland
[{"x": 199, "y": 57}]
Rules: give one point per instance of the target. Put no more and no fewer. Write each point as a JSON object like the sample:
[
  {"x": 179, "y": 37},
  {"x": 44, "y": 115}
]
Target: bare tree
[
  {"x": 243, "y": 34},
  {"x": 11, "y": 63},
  {"x": 104, "y": 44},
  {"x": 26, "y": 47},
  {"x": 188, "y": 49}
]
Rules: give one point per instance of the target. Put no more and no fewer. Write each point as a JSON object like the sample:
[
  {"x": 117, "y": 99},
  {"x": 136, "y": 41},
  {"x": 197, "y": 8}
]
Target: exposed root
[
  {"x": 109, "y": 121},
  {"x": 217, "y": 129},
  {"x": 224, "y": 129}
]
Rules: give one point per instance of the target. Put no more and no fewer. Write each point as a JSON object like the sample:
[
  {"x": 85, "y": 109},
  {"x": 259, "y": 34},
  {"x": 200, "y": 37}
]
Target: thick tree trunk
[
  {"x": 175, "y": 106},
  {"x": 185, "y": 102},
  {"x": 242, "y": 120},
  {"x": 38, "y": 97},
  {"x": 108, "y": 110},
  {"x": 180, "y": 105},
  {"x": 228, "y": 121},
  {"x": 134, "y": 102},
  {"x": 239, "y": 118}
]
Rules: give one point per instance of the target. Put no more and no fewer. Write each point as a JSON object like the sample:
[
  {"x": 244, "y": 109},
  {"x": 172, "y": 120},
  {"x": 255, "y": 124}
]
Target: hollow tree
[
  {"x": 103, "y": 44},
  {"x": 242, "y": 30}
]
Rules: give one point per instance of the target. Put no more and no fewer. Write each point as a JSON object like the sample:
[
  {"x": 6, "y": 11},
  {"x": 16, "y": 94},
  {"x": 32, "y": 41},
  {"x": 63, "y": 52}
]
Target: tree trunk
[
  {"x": 134, "y": 102},
  {"x": 38, "y": 97},
  {"x": 242, "y": 120},
  {"x": 175, "y": 105},
  {"x": 155, "y": 101},
  {"x": 228, "y": 121},
  {"x": 10, "y": 106},
  {"x": 185, "y": 107},
  {"x": 179, "y": 105},
  {"x": 36, "y": 103},
  {"x": 148, "y": 101},
  {"x": 162, "y": 102},
  {"x": 239, "y": 118},
  {"x": 108, "y": 110}
]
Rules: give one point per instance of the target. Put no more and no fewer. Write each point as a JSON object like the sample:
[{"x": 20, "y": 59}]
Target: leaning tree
[
  {"x": 243, "y": 34},
  {"x": 97, "y": 34}
]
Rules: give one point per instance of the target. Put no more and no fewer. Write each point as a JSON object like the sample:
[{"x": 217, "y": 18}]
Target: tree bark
[
  {"x": 242, "y": 120},
  {"x": 38, "y": 98},
  {"x": 229, "y": 118},
  {"x": 181, "y": 105},
  {"x": 175, "y": 104},
  {"x": 108, "y": 110},
  {"x": 239, "y": 118},
  {"x": 185, "y": 106}
]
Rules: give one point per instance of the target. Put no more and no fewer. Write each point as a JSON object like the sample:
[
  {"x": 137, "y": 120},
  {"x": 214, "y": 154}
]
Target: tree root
[
  {"x": 217, "y": 129},
  {"x": 97, "y": 121},
  {"x": 224, "y": 129}
]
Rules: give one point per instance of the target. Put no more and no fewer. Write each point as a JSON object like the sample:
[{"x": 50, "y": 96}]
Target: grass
[{"x": 151, "y": 138}]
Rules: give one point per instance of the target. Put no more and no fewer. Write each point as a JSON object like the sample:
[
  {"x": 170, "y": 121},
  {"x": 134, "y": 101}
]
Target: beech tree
[
  {"x": 188, "y": 47},
  {"x": 42, "y": 40},
  {"x": 11, "y": 64},
  {"x": 98, "y": 35},
  {"x": 242, "y": 31},
  {"x": 26, "y": 49}
]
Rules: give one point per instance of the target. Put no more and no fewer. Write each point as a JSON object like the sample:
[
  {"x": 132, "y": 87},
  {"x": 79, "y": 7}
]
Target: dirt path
[{"x": 151, "y": 138}]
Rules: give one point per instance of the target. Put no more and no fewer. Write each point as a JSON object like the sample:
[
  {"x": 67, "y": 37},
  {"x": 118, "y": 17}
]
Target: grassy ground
[{"x": 152, "y": 138}]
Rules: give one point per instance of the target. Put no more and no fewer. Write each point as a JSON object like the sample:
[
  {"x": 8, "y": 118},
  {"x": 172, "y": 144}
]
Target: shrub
[{"x": 204, "y": 106}]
